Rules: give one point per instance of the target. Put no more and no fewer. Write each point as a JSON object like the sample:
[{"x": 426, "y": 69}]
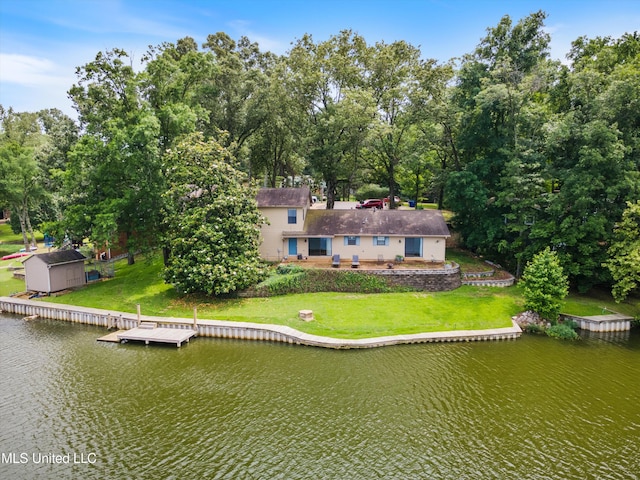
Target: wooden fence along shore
[{"x": 238, "y": 330}]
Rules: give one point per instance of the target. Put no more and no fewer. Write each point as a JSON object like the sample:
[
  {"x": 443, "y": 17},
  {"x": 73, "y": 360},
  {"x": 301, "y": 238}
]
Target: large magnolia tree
[{"x": 213, "y": 221}]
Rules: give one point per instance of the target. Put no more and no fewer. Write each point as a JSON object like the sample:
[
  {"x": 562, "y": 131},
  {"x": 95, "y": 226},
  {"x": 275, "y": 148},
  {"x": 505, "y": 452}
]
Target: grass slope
[
  {"x": 10, "y": 243},
  {"x": 337, "y": 315},
  {"x": 340, "y": 315}
]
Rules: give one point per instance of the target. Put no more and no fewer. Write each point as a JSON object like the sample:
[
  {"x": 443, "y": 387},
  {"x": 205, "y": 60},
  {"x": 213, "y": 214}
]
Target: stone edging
[
  {"x": 242, "y": 330},
  {"x": 485, "y": 282},
  {"x": 487, "y": 273}
]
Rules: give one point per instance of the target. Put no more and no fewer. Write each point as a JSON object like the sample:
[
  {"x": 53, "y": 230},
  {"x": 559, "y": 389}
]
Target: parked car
[
  {"x": 396, "y": 199},
  {"x": 371, "y": 203}
]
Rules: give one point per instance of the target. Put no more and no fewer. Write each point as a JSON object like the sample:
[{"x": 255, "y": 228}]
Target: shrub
[
  {"x": 533, "y": 328},
  {"x": 562, "y": 331},
  {"x": 545, "y": 285},
  {"x": 299, "y": 280},
  {"x": 371, "y": 191},
  {"x": 284, "y": 284},
  {"x": 288, "y": 268}
]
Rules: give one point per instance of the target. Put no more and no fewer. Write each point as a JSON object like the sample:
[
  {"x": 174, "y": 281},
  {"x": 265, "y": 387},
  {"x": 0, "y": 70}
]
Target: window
[
  {"x": 351, "y": 240},
  {"x": 413, "y": 247},
  {"x": 319, "y": 246},
  {"x": 292, "y": 214},
  {"x": 380, "y": 241}
]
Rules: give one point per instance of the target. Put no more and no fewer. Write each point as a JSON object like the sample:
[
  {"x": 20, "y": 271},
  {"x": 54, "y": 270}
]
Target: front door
[{"x": 293, "y": 246}]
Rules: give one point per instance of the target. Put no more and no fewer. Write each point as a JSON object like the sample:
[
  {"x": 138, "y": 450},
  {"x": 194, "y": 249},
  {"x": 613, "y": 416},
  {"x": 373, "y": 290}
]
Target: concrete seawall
[
  {"x": 240, "y": 330},
  {"x": 614, "y": 322}
]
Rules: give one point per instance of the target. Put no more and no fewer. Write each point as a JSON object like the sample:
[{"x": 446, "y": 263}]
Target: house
[
  {"x": 286, "y": 209},
  {"x": 297, "y": 230},
  {"x": 52, "y": 272}
]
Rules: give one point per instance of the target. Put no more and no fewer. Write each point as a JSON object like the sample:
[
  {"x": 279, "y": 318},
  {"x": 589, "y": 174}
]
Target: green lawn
[
  {"x": 9, "y": 243},
  {"x": 467, "y": 261},
  {"x": 8, "y": 284},
  {"x": 599, "y": 302},
  {"x": 340, "y": 315}
]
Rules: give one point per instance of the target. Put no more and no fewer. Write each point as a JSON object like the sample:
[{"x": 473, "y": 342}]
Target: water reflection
[{"x": 532, "y": 408}]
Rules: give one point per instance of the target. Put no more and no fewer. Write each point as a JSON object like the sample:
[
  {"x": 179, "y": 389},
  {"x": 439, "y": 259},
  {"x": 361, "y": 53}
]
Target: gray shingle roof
[
  {"x": 419, "y": 223},
  {"x": 283, "y": 197},
  {"x": 61, "y": 256}
]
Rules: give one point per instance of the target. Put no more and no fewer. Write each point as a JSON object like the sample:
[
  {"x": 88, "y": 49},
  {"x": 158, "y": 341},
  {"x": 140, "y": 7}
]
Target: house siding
[
  {"x": 433, "y": 249},
  {"x": 277, "y": 205},
  {"x": 274, "y": 246}
]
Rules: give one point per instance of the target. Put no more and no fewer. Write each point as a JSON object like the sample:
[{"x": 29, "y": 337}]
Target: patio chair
[
  {"x": 336, "y": 261},
  {"x": 355, "y": 261}
]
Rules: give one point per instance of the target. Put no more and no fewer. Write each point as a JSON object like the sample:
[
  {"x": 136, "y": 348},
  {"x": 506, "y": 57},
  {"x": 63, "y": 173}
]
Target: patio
[{"x": 383, "y": 264}]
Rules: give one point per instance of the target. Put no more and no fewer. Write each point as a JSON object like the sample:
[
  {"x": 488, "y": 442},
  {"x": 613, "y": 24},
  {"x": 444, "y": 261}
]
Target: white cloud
[
  {"x": 28, "y": 70},
  {"x": 266, "y": 43}
]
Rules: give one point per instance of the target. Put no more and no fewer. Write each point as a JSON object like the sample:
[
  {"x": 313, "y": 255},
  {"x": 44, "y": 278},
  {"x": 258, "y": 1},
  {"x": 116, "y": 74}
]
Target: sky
[{"x": 42, "y": 42}]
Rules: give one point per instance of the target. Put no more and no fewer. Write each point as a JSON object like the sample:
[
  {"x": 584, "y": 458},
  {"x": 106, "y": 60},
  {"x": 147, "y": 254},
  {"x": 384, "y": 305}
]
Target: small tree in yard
[
  {"x": 213, "y": 221},
  {"x": 545, "y": 285}
]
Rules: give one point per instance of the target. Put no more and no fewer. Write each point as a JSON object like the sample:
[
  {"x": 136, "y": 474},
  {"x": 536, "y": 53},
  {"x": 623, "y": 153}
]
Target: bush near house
[{"x": 287, "y": 280}]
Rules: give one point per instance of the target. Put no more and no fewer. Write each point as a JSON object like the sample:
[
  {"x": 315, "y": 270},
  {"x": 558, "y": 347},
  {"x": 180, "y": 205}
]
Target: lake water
[{"x": 534, "y": 408}]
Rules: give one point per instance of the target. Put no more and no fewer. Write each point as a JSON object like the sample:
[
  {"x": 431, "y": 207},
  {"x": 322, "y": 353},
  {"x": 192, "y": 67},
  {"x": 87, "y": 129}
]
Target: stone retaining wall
[
  {"x": 423, "y": 279},
  {"x": 487, "y": 273},
  {"x": 241, "y": 330}
]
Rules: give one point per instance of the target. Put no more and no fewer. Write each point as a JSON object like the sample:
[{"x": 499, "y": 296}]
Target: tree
[
  {"x": 437, "y": 118},
  {"x": 415, "y": 173},
  {"x": 501, "y": 96},
  {"x": 19, "y": 187},
  {"x": 173, "y": 82},
  {"x": 233, "y": 95},
  {"x": 21, "y": 181},
  {"x": 391, "y": 76},
  {"x": 545, "y": 285},
  {"x": 114, "y": 176},
  {"x": 274, "y": 148},
  {"x": 213, "y": 219},
  {"x": 330, "y": 85},
  {"x": 593, "y": 149},
  {"x": 624, "y": 253}
]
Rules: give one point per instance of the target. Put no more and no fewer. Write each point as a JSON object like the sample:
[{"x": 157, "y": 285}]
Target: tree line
[{"x": 526, "y": 151}]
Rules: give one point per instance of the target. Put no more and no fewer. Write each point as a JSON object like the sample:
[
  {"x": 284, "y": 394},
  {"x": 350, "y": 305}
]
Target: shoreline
[{"x": 241, "y": 330}]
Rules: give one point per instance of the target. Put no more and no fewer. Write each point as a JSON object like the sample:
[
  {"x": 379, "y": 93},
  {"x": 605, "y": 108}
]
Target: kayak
[{"x": 15, "y": 255}]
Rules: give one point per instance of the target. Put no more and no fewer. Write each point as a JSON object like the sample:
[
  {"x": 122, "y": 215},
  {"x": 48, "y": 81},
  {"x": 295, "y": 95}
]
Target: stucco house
[
  {"x": 296, "y": 230},
  {"x": 52, "y": 272}
]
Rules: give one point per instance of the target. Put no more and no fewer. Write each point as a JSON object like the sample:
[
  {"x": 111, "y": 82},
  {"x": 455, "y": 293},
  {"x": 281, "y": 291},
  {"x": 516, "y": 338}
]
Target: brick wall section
[{"x": 427, "y": 280}]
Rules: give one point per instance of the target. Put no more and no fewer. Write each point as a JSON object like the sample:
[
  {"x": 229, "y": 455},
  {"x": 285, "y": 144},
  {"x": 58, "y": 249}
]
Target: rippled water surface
[{"x": 531, "y": 408}]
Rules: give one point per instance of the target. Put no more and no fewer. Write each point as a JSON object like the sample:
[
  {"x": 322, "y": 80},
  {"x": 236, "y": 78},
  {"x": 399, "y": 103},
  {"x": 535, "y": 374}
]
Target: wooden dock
[{"x": 148, "y": 335}]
